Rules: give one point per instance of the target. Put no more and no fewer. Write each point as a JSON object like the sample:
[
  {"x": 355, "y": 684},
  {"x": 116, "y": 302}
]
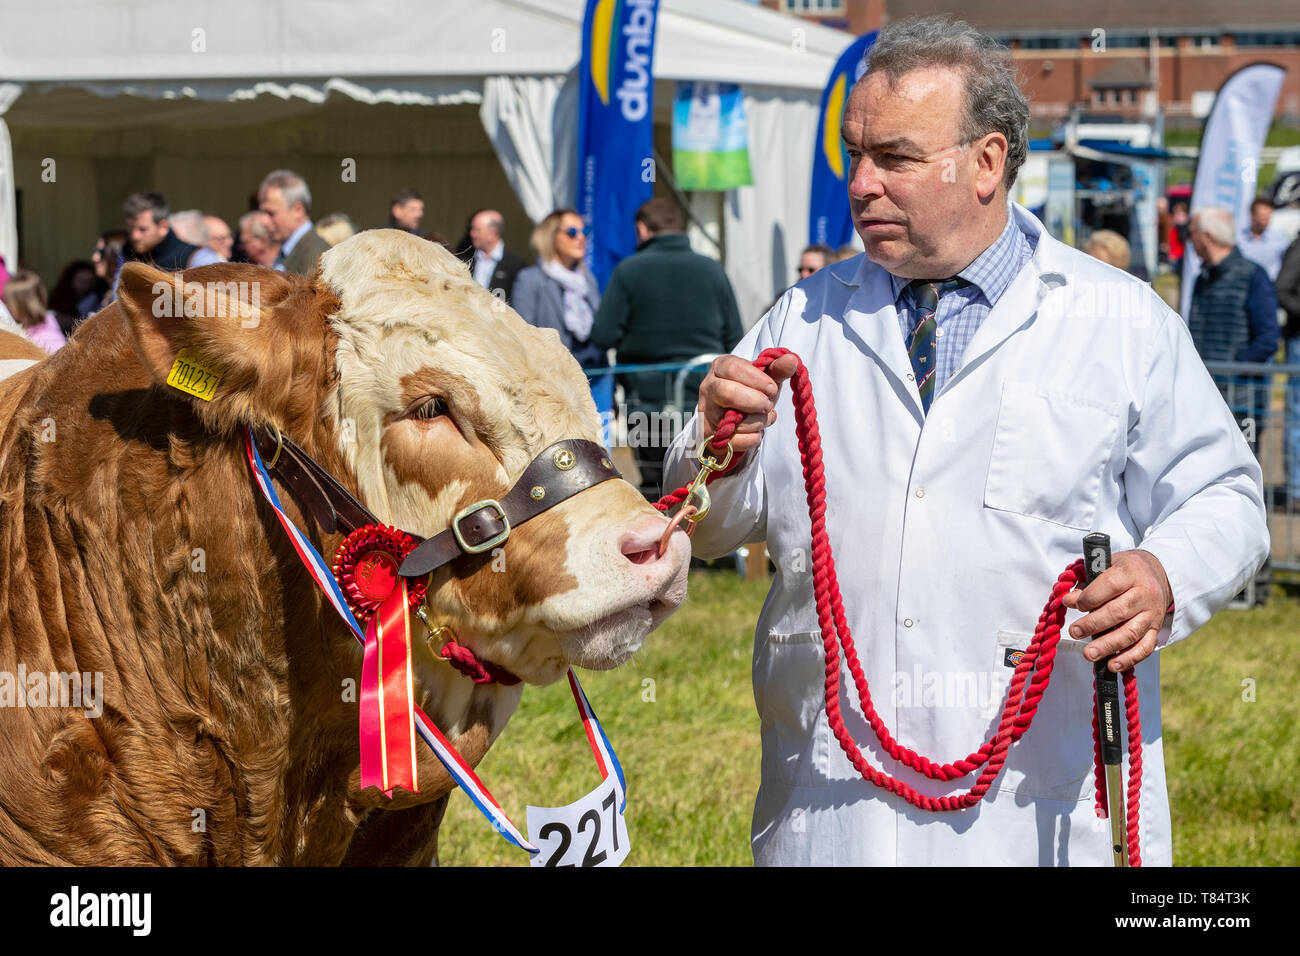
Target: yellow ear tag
[{"x": 190, "y": 375}]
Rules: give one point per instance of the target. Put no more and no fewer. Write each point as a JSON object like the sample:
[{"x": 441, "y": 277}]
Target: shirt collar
[
  {"x": 992, "y": 270},
  {"x": 495, "y": 255}
]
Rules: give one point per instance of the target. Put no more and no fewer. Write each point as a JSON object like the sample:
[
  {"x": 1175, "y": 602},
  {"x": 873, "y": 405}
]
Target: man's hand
[
  {"x": 1131, "y": 597},
  {"x": 735, "y": 383}
]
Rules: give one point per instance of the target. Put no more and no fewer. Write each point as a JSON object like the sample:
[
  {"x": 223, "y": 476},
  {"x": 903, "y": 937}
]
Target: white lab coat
[{"x": 1080, "y": 405}]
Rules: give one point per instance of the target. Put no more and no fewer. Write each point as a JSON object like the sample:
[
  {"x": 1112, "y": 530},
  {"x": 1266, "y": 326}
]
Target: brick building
[{"x": 1110, "y": 57}]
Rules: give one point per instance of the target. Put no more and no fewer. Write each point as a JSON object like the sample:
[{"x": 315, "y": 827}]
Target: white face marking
[{"x": 409, "y": 309}]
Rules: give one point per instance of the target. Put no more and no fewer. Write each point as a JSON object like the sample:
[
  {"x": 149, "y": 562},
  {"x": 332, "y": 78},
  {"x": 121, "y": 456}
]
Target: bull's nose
[{"x": 640, "y": 543}]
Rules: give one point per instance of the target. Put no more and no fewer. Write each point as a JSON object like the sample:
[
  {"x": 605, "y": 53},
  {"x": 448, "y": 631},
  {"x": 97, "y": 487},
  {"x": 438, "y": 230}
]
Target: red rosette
[{"x": 365, "y": 565}]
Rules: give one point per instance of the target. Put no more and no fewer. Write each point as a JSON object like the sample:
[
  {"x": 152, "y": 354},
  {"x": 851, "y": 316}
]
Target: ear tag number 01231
[{"x": 589, "y": 832}]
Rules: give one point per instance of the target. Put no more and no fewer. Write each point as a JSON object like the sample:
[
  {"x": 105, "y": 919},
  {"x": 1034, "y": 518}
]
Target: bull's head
[{"x": 426, "y": 394}]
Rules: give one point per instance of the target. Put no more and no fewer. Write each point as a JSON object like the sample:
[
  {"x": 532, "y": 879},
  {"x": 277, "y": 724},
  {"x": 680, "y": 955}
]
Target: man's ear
[{"x": 210, "y": 333}]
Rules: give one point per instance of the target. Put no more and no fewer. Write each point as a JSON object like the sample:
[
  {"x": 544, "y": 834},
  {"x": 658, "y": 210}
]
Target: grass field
[{"x": 681, "y": 715}]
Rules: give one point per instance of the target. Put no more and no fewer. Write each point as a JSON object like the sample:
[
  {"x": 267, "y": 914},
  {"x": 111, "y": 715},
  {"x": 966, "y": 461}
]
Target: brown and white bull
[{"x": 135, "y": 545}]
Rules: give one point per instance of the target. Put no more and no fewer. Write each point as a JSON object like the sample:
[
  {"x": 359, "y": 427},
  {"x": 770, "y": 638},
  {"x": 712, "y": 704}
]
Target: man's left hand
[{"x": 1131, "y": 597}]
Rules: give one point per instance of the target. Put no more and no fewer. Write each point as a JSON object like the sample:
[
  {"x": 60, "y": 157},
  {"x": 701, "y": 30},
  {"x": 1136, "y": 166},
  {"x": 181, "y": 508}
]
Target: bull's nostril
[{"x": 640, "y": 544}]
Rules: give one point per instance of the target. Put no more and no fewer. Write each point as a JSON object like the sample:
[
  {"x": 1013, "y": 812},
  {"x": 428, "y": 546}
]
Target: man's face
[
  {"x": 810, "y": 262},
  {"x": 220, "y": 240},
  {"x": 408, "y": 214},
  {"x": 483, "y": 233},
  {"x": 920, "y": 198},
  {"x": 1200, "y": 241},
  {"x": 284, "y": 219},
  {"x": 1259, "y": 217},
  {"x": 144, "y": 232}
]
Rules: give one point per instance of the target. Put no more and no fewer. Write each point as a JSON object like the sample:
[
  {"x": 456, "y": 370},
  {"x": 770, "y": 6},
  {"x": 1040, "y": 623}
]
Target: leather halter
[{"x": 558, "y": 473}]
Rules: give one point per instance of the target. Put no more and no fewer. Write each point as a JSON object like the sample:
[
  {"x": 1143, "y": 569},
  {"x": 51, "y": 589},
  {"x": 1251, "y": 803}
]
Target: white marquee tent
[{"x": 473, "y": 104}]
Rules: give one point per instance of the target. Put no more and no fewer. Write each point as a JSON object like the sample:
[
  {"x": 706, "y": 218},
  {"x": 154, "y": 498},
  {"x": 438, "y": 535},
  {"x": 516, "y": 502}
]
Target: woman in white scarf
[{"x": 560, "y": 292}]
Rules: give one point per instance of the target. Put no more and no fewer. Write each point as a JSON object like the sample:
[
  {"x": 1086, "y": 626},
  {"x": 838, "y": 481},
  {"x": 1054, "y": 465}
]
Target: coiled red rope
[{"x": 1028, "y": 683}]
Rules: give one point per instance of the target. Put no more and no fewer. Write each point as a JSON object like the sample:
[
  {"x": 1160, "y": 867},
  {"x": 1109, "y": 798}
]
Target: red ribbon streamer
[{"x": 388, "y": 756}]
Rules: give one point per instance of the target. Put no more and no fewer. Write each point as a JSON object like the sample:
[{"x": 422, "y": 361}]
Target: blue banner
[
  {"x": 829, "y": 220},
  {"x": 615, "y": 126}
]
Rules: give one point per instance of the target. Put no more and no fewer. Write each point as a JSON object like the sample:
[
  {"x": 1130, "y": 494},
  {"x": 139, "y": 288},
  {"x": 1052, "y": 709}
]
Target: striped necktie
[{"x": 921, "y": 348}]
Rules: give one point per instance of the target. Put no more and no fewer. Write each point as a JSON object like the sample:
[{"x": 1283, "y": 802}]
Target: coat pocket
[
  {"x": 1054, "y": 757},
  {"x": 789, "y": 691},
  {"x": 1050, "y": 451}
]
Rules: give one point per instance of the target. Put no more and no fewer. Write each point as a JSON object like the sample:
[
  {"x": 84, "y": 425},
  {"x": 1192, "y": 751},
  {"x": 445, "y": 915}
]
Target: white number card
[{"x": 590, "y": 832}]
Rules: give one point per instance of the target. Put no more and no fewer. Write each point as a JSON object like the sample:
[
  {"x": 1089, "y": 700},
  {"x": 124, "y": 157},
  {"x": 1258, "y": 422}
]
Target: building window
[
  {"x": 1283, "y": 38},
  {"x": 1047, "y": 42},
  {"x": 814, "y": 7}
]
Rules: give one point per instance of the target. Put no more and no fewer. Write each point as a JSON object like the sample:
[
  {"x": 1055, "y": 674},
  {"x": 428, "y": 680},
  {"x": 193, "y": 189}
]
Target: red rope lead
[{"x": 1028, "y": 682}]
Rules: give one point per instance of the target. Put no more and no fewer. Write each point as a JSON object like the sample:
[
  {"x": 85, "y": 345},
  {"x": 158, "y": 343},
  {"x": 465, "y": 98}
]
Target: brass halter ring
[{"x": 279, "y": 446}]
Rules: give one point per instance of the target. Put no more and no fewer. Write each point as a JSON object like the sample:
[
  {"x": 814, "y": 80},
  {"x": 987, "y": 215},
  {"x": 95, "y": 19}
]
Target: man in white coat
[{"x": 971, "y": 438}]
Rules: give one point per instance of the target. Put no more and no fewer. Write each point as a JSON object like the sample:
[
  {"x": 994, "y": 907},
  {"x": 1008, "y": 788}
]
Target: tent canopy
[
  {"x": 473, "y": 104},
  {"x": 128, "y": 41}
]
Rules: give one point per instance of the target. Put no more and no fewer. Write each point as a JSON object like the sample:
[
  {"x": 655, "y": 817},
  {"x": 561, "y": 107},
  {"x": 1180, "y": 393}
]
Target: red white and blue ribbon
[
  {"x": 461, "y": 772},
  {"x": 606, "y": 759}
]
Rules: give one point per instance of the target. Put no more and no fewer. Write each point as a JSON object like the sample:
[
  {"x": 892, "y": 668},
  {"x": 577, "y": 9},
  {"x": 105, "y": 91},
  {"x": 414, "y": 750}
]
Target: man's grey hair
[
  {"x": 1217, "y": 223},
  {"x": 292, "y": 187},
  {"x": 188, "y": 226},
  {"x": 993, "y": 99},
  {"x": 256, "y": 222}
]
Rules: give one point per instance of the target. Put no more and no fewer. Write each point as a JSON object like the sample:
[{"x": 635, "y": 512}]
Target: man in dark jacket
[
  {"x": 1288, "y": 297},
  {"x": 493, "y": 266},
  {"x": 664, "y": 303},
  {"x": 286, "y": 200},
  {"x": 151, "y": 238},
  {"x": 1233, "y": 315}
]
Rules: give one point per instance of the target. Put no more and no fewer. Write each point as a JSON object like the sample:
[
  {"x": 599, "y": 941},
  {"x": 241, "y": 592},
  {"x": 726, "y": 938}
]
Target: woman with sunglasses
[{"x": 560, "y": 292}]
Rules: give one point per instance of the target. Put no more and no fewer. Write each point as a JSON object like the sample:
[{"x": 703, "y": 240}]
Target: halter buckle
[{"x": 491, "y": 542}]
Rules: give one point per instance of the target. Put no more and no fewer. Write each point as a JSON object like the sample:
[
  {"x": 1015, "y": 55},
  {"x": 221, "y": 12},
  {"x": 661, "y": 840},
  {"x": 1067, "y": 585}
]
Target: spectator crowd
[{"x": 665, "y": 303}]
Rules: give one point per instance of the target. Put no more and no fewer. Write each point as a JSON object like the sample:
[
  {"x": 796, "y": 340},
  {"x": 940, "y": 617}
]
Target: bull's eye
[{"x": 433, "y": 408}]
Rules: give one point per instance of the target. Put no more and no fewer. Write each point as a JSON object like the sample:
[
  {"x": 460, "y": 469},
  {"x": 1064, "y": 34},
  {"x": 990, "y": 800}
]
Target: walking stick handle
[{"x": 1096, "y": 559}]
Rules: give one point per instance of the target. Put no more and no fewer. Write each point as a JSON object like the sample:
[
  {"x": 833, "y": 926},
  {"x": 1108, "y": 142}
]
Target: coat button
[
  {"x": 920, "y": 492},
  {"x": 907, "y": 622},
  {"x": 911, "y": 377}
]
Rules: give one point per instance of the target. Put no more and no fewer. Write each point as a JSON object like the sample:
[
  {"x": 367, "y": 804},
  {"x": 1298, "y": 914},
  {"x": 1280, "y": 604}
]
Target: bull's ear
[{"x": 210, "y": 333}]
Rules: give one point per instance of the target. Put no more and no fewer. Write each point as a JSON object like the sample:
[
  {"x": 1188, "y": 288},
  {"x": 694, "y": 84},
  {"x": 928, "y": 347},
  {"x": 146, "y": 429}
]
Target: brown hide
[{"x": 133, "y": 543}]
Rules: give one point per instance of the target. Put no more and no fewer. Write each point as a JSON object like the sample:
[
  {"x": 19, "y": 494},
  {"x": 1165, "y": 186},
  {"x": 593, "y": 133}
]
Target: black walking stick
[{"x": 1096, "y": 559}]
